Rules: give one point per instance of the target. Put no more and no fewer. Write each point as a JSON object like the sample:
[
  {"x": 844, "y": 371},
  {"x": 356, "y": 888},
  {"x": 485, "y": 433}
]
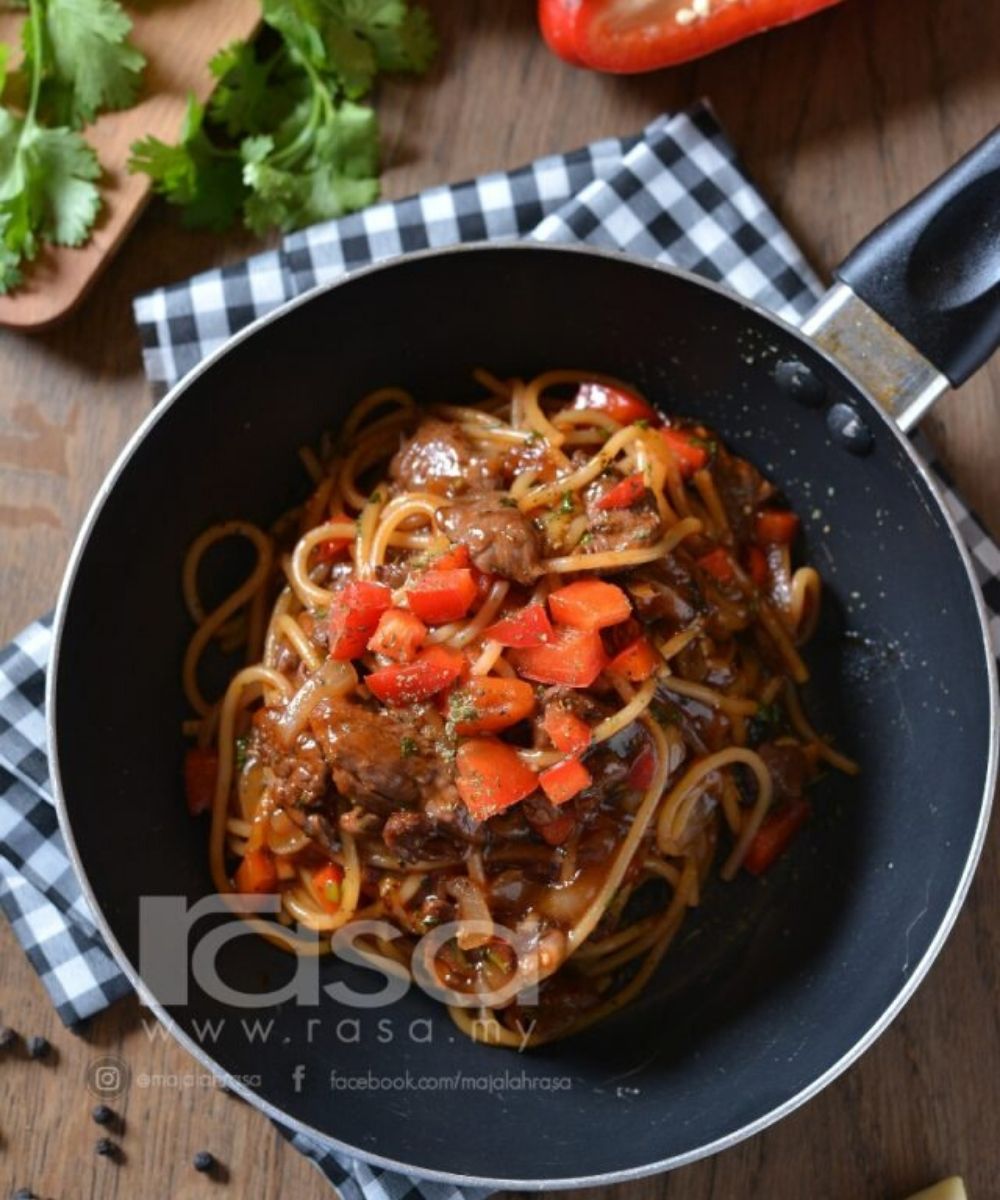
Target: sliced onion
[
  {"x": 333, "y": 680},
  {"x": 470, "y": 905}
]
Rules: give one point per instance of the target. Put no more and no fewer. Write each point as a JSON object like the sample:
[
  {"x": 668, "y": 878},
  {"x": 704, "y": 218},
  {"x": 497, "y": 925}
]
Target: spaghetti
[{"x": 513, "y": 672}]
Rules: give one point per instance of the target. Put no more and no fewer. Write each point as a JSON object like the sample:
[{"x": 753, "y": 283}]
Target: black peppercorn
[
  {"x": 23, "y": 1194},
  {"x": 7, "y": 1037},
  {"x": 106, "y": 1148},
  {"x": 39, "y": 1047},
  {"x": 102, "y": 1114},
  {"x": 204, "y": 1161}
]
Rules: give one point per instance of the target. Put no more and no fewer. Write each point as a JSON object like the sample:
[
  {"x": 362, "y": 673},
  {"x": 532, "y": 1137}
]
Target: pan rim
[{"x": 732, "y": 1138}]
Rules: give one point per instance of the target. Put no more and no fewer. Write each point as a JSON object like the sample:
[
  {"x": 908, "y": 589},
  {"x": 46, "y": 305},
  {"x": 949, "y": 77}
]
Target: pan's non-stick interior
[{"x": 772, "y": 982}]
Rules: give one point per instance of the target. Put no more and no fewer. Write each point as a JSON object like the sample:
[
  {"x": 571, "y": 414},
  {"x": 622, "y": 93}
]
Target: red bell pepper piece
[
  {"x": 457, "y": 556},
  {"x": 688, "y": 451},
  {"x": 399, "y": 635},
  {"x": 488, "y": 703},
  {"x": 573, "y": 658},
  {"x": 775, "y": 835},
  {"x": 438, "y": 596},
  {"x": 566, "y": 730},
  {"x": 718, "y": 564},
  {"x": 623, "y": 494},
  {"x": 775, "y": 527},
  {"x": 528, "y": 627},
  {"x": 326, "y": 884},
  {"x": 621, "y": 404},
  {"x": 491, "y": 777},
  {"x": 641, "y": 774},
  {"x": 333, "y": 548},
  {"x": 618, "y": 35},
  {"x": 256, "y": 873},
  {"x": 637, "y": 661},
  {"x": 563, "y": 781},
  {"x": 201, "y": 772},
  {"x": 354, "y": 617},
  {"x": 757, "y": 566},
  {"x": 590, "y": 604},
  {"x": 431, "y": 672}
]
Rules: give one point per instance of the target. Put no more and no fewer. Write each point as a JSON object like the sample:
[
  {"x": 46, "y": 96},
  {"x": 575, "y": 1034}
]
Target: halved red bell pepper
[
  {"x": 528, "y": 627},
  {"x": 625, "y": 36},
  {"x": 399, "y": 635},
  {"x": 430, "y": 672}
]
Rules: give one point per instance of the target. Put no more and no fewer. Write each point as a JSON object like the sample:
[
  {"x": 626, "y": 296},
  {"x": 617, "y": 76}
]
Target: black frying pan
[{"x": 774, "y": 986}]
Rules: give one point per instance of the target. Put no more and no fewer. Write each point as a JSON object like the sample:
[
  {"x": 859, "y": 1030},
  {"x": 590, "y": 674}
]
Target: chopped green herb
[
  {"x": 566, "y": 504},
  {"x": 508, "y": 502},
  {"x": 587, "y": 538},
  {"x": 643, "y": 423},
  {"x": 664, "y": 712},
  {"x": 242, "y": 744},
  {"x": 407, "y": 747},
  {"x": 375, "y": 497},
  {"x": 766, "y": 723}
]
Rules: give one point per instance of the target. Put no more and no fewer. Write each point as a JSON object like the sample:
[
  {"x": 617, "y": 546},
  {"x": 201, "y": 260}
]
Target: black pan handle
[{"x": 932, "y": 270}]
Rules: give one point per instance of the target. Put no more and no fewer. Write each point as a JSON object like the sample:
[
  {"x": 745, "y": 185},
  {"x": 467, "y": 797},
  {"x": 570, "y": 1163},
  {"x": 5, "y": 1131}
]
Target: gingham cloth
[{"x": 676, "y": 193}]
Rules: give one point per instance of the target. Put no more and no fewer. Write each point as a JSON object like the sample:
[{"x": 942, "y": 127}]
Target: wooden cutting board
[{"x": 178, "y": 37}]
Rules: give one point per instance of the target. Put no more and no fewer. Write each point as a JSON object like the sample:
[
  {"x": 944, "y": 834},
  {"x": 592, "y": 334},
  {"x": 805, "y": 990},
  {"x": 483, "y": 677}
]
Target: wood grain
[
  {"x": 178, "y": 39},
  {"x": 840, "y": 119}
]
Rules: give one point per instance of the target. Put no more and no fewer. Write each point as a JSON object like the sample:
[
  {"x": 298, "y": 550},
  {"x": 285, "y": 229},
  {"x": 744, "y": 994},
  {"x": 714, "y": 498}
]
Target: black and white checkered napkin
[{"x": 676, "y": 193}]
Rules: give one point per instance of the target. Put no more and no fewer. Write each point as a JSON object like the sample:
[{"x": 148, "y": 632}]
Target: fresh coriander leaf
[
  {"x": 87, "y": 62},
  {"x": 63, "y": 168},
  {"x": 411, "y": 46},
  {"x": 300, "y": 23},
  {"x": 350, "y": 57},
  {"x": 204, "y": 180},
  {"x": 242, "y": 101}
]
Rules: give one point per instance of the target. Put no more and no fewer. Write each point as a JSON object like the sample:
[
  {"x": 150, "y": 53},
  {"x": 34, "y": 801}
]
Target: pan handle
[{"x": 917, "y": 305}]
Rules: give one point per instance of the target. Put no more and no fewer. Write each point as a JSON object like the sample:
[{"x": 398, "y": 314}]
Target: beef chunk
[
  {"x": 742, "y": 489},
  {"x": 439, "y": 458},
  {"x": 620, "y": 528},
  {"x": 663, "y": 591},
  {"x": 413, "y": 836},
  {"x": 380, "y": 759},
  {"x": 501, "y": 540},
  {"x": 295, "y": 776}
]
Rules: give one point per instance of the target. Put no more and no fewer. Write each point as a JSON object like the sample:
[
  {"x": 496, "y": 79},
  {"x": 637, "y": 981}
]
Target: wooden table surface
[{"x": 840, "y": 119}]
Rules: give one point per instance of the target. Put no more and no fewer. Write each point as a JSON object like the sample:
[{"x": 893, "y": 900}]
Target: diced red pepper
[
  {"x": 567, "y": 732},
  {"x": 621, "y": 36},
  {"x": 640, "y": 775},
  {"x": 620, "y": 403},
  {"x": 354, "y": 617},
  {"x": 438, "y": 595},
  {"x": 256, "y": 873},
  {"x": 431, "y": 672},
  {"x": 590, "y": 604},
  {"x": 573, "y": 658},
  {"x": 688, "y": 450},
  {"x": 637, "y": 661},
  {"x": 457, "y": 556},
  {"x": 201, "y": 773},
  {"x": 489, "y": 703},
  {"x": 775, "y": 835},
  {"x": 530, "y": 626},
  {"x": 775, "y": 527},
  {"x": 718, "y": 564},
  {"x": 333, "y": 548},
  {"x": 491, "y": 777},
  {"x": 556, "y": 832},
  {"x": 757, "y": 566},
  {"x": 563, "y": 781},
  {"x": 624, "y": 494},
  {"x": 326, "y": 884},
  {"x": 399, "y": 635}
]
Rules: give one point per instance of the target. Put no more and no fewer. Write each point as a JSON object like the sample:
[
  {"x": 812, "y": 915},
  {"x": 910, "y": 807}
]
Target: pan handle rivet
[
  {"x": 798, "y": 382},
  {"x": 848, "y": 430}
]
